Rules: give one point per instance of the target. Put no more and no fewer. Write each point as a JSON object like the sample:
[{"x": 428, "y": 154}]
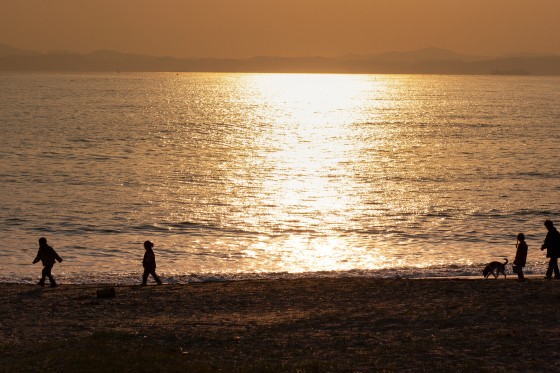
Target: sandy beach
[{"x": 313, "y": 324}]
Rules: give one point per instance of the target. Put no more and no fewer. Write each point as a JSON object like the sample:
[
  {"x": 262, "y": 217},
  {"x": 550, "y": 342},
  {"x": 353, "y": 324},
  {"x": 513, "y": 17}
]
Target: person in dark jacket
[
  {"x": 552, "y": 246},
  {"x": 520, "y": 256},
  {"x": 149, "y": 263},
  {"x": 48, "y": 258}
]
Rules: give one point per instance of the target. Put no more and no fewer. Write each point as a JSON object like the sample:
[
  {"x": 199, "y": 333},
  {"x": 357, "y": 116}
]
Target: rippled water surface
[{"x": 258, "y": 174}]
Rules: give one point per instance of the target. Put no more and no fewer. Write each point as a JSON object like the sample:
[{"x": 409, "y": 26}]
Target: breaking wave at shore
[{"x": 121, "y": 278}]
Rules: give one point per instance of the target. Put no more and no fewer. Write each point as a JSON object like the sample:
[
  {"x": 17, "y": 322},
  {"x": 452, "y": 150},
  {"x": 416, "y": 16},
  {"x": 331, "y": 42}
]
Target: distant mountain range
[{"x": 421, "y": 61}]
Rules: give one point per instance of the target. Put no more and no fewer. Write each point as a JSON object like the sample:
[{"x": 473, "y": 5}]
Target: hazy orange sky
[{"x": 247, "y": 28}]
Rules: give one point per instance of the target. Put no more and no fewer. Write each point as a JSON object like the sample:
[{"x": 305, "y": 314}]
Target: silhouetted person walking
[
  {"x": 149, "y": 263},
  {"x": 552, "y": 246},
  {"x": 48, "y": 258}
]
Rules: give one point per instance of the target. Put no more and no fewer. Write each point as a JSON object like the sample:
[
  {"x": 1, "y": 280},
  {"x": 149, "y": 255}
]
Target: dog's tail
[{"x": 506, "y": 262}]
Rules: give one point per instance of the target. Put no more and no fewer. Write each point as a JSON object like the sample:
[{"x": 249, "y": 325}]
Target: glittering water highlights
[{"x": 266, "y": 174}]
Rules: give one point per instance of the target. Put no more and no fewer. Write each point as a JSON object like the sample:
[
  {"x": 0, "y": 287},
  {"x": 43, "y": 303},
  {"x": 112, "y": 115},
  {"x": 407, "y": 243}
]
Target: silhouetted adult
[{"x": 552, "y": 246}]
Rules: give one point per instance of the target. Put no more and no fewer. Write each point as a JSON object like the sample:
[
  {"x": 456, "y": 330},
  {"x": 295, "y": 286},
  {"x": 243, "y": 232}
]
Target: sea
[{"x": 274, "y": 176}]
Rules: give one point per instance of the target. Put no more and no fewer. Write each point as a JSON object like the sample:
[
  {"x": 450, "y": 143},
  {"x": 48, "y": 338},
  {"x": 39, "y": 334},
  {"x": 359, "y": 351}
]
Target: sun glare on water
[{"x": 306, "y": 157}]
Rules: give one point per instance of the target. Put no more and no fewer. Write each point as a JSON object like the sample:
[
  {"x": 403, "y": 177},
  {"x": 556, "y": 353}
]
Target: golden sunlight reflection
[
  {"x": 301, "y": 253},
  {"x": 308, "y": 150}
]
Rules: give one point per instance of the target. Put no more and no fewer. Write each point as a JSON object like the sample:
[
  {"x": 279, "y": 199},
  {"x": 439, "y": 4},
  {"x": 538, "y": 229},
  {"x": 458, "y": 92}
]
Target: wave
[
  {"x": 75, "y": 230},
  {"x": 132, "y": 278},
  {"x": 70, "y": 228},
  {"x": 192, "y": 227}
]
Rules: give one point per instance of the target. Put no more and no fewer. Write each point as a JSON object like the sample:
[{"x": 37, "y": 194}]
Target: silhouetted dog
[{"x": 495, "y": 268}]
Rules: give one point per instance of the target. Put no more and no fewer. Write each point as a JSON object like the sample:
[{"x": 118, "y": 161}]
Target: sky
[{"x": 290, "y": 28}]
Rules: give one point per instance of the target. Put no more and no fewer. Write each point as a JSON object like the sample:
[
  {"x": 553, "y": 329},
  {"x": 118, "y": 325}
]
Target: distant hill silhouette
[
  {"x": 424, "y": 54},
  {"x": 7, "y": 51},
  {"x": 421, "y": 61}
]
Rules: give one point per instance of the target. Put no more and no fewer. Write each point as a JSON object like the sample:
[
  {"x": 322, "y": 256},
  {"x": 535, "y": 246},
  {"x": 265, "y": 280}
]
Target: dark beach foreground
[{"x": 314, "y": 324}]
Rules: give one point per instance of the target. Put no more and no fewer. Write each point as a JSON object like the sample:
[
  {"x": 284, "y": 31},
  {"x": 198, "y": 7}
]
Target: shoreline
[
  {"x": 307, "y": 324},
  {"x": 62, "y": 276},
  {"x": 199, "y": 280}
]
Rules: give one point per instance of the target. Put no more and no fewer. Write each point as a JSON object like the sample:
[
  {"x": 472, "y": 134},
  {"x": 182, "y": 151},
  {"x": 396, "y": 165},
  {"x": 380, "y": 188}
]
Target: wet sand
[{"x": 314, "y": 324}]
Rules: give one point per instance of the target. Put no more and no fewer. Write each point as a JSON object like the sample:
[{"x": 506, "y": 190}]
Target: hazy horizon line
[{"x": 345, "y": 55}]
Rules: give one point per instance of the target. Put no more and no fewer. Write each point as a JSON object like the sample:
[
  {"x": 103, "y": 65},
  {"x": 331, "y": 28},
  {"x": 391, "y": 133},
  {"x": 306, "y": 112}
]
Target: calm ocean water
[{"x": 275, "y": 175}]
